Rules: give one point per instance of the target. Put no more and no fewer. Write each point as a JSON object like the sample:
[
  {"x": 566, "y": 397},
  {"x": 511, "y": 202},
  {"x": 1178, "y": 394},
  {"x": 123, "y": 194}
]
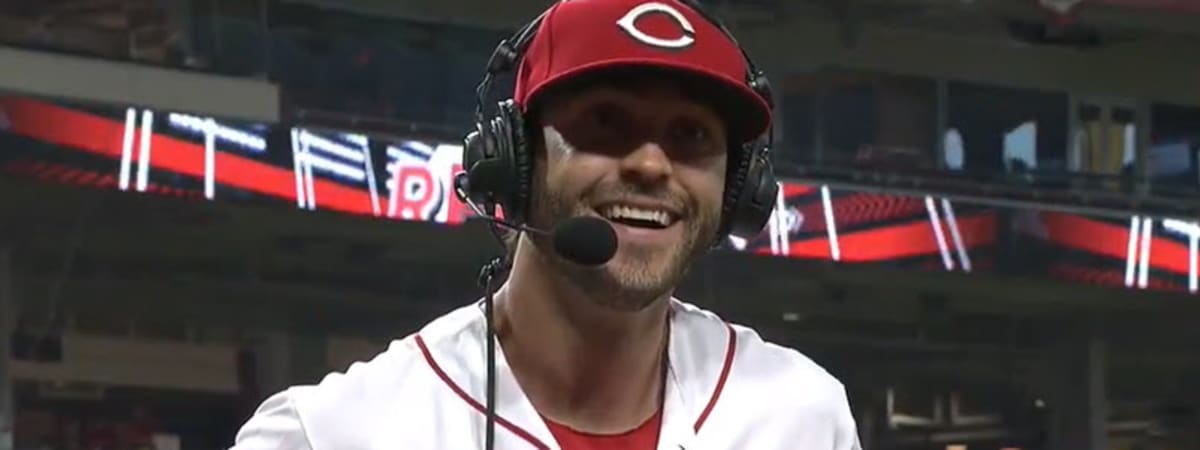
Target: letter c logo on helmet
[{"x": 629, "y": 24}]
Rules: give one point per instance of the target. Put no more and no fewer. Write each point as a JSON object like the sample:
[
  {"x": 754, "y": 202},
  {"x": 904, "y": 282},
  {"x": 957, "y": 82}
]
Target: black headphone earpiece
[
  {"x": 522, "y": 157},
  {"x": 750, "y": 198},
  {"x": 751, "y": 187},
  {"x": 499, "y": 165}
]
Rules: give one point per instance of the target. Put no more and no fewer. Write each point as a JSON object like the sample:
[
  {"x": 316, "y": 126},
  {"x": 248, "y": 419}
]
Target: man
[{"x": 596, "y": 358}]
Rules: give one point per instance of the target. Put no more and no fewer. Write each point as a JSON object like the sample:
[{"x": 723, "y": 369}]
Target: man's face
[{"x": 648, "y": 159}]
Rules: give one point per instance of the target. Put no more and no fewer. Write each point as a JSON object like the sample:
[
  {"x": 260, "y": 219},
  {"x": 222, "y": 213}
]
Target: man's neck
[{"x": 581, "y": 364}]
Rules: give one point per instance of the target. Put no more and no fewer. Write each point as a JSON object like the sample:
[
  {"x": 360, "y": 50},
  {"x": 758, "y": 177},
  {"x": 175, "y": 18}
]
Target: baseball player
[{"x": 643, "y": 113}]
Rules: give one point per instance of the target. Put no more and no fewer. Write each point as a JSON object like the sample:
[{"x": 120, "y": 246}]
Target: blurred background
[{"x": 987, "y": 228}]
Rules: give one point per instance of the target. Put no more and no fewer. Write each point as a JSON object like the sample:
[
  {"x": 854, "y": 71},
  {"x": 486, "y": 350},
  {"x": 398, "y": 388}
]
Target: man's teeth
[{"x": 626, "y": 212}]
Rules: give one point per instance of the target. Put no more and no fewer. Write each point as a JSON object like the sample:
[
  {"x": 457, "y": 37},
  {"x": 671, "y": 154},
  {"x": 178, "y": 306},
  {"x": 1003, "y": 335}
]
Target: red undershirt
[{"x": 644, "y": 437}]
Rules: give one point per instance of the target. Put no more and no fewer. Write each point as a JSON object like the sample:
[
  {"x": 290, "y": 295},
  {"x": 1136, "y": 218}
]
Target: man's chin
[{"x": 638, "y": 282}]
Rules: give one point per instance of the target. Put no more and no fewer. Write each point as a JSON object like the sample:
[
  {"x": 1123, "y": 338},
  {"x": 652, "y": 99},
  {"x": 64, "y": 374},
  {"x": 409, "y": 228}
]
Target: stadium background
[{"x": 987, "y": 227}]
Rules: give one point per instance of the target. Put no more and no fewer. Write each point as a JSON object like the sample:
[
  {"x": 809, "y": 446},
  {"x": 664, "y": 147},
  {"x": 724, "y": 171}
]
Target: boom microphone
[{"x": 587, "y": 241}]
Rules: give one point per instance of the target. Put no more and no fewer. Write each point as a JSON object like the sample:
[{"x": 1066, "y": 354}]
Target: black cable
[{"x": 487, "y": 277}]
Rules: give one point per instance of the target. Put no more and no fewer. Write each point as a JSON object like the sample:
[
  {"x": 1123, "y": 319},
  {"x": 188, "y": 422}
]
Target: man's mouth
[{"x": 639, "y": 216}]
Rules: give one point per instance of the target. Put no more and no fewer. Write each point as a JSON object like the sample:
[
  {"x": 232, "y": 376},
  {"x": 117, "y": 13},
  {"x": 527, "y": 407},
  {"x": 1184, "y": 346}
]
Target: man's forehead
[
  {"x": 643, "y": 84},
  {"x": 657, "y": 89}
]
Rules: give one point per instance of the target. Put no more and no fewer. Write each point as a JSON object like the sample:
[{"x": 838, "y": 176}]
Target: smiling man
[
  {"x": 635, "y": 147},
  {"x": 639, "y": 113}
]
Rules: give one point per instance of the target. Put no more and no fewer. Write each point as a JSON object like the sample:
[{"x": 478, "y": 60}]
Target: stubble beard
[{"x": 636, "y": 277}]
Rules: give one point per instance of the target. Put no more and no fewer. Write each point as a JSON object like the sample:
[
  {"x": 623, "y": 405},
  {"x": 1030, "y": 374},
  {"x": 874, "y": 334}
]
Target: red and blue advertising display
[{"x": 201, "y": 158}]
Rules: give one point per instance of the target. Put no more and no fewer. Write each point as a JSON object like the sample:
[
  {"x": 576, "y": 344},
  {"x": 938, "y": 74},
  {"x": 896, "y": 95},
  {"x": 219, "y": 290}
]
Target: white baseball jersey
[{"x": 726, "y": 389}]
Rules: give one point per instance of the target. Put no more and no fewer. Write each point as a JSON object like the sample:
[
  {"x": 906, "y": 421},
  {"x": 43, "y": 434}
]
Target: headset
[{"x": 499, "y": 162}]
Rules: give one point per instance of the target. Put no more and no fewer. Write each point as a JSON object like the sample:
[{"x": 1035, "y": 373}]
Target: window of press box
[
  {"x": 993, "y": 130},
  {"x": 1105, "y": 142},
  {"x": 1174, "y": 157},
  {"x": 850, "y": 118}
]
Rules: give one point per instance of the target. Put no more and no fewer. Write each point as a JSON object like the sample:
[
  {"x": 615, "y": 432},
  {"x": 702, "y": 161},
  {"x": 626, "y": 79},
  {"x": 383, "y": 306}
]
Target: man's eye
[
  {"x": 692, "y": 135},
  {"x": 607, "y": 117}
]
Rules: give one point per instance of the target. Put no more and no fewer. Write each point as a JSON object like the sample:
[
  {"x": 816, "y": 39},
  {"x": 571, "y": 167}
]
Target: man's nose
[{"x": 648, "y": 163}]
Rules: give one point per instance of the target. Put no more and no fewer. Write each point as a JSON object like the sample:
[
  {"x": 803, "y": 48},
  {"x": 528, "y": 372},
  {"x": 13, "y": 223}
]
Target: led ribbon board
[{"x": 184, "y": 155}]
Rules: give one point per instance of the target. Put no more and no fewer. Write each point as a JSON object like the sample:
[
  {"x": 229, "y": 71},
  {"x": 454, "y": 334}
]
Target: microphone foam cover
[{"x": 587, "y": 241}]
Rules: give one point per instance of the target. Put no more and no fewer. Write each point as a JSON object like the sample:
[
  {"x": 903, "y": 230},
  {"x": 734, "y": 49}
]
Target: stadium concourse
[{"x": 985, "y": 227}]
